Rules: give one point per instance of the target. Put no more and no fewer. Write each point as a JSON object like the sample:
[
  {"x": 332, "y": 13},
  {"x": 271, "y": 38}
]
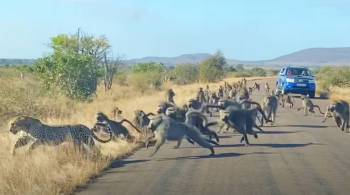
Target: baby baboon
[
  {"x": 116, "y": 127},
  {"x": 169, "y": 95},
  {"x": 340, "y": 113},
  {"x": 166, "y": 128},
  {"x": 267, "y": 88},
  {"x": 308, "y": 106}
]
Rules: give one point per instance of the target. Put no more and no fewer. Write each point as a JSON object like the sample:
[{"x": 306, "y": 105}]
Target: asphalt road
[{"x": 297, "y": 155}]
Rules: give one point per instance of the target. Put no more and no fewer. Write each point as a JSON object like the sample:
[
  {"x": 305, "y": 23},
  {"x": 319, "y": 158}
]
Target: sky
[{"x": 242, "y": 30}]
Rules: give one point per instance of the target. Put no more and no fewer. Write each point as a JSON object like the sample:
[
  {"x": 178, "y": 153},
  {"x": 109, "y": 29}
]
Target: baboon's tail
[
  {"x": 126, "y": 120},
  {"x": 319, "y": 109},
  {"x": 188, "y": 113}
]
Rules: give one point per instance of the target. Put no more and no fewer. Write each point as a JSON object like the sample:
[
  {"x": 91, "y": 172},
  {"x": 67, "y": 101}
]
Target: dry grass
[
  {"x": 58, "y": 170},
  {"x": 338, "y": 93}
]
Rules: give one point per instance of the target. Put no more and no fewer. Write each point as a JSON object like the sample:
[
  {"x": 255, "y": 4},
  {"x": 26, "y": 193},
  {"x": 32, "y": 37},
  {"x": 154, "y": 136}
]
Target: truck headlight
[
  {"x": 311, "y": 81},
  {"x": 290, "y": 80}
]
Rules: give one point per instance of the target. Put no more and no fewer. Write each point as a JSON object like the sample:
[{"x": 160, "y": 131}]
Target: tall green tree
[
  {"x": 73, "y": 65},
  {"x": 212, "y": 68}
]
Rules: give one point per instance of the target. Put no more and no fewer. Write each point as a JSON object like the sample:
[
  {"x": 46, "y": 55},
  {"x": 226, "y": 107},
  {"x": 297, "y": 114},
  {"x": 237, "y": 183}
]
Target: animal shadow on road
[
  {"x": 278, "y": 132},
  {"x": 222, "y": 155},
  {"x": 286, "y": 145},
  {"x": 270, "y": 145},
  {"x": 122, "y": 163},
  {"x": 305, "y": 126}
]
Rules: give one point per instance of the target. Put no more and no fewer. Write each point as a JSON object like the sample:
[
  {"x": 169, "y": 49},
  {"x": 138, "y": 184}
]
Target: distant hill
[
  {"x": 193, "y": 58},
  {"x": 16, "y": 61},
  {"x": 307, "y": 57}
]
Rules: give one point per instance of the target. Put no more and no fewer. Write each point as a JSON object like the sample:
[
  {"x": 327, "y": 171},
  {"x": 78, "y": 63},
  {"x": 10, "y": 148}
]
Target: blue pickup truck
[{"x": 296, "y": 80}]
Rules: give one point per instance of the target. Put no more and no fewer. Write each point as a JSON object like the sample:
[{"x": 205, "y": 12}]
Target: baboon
[
  {"x": 286, "y": 98},
  {"x": 169, "y": 96},
  {"x": 267, "y": 88},
  {"x": 242, "y": 120},
  {"x": 339, "y": 111},
  {"x": 234, "y": 106},
  {"x": 141, "y": 121},
  {"x": 116, "y": 112},
  {"x": 194, "y": 104},
  {"x": 256, "y": 86},
  {"x": 308, "y": 106},
  {"x": 200, "y": 96},
  {"x": 250, "y": 90},
  {"x": 270, "y": 104},
  {"x": 166, "y": 128},
  {"x": 197, "y": 119},
  {"x": 116, "y": 127}
]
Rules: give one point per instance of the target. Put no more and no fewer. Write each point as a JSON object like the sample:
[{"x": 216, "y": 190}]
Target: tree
[
  {"x": 111, "y": 67},
  {"x": 73, "y": 65},
  {"x": 256, "y": 71},
  {"x": 212, "y": 68},
  {"x": 147, "y": 75},
  {"x": 185, "y": 73}
]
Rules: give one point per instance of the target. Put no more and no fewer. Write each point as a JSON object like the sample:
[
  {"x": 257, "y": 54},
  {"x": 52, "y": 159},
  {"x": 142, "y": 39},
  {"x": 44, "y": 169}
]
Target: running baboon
[
  {"x": 242, "y": 120},
  {"x": 339, "y": 110},
  {"x": 286, "y": 98},
  {"x": 197, "y": 119},
  {"x": 308, "y": 106},
  {"x": 116, "y": 127},
  {"x": 269, "y": 106},
  {"x": 169, "y": 95},
  {"x": 166, "y": 128},
  {"x": 256, "y": 86}
]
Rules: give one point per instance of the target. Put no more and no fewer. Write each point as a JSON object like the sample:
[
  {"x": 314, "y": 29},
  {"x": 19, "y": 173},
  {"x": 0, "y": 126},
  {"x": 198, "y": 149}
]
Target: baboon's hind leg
[{"x": 159, "y": 143}]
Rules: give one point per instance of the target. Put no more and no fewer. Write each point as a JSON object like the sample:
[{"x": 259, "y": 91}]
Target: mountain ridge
[{"x": 311, "y": 56}]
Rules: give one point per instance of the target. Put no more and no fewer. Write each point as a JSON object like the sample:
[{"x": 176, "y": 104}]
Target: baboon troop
[{"x": 231, "y": 101}]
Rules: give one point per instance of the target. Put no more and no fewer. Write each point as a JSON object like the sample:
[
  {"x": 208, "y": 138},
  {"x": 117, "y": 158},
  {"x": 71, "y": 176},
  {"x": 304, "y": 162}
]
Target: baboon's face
[
  {"x": 161, "y": 109},
  {"x": 170, "y": 111},
  {"x": 120, "y": 112},
  {"x": 101, "y": 117},
  {"x": 221, "y": 103},
  {"x": 332, "y": 108},
  {"x": 190, "y": 104}
]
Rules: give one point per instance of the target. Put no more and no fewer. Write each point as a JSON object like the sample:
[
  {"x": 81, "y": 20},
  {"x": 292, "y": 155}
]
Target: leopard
[{"x": 32, "y": 129}]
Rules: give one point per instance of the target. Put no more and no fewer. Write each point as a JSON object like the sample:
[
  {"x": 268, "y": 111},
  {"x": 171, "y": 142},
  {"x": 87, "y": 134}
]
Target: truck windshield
[{"x": 298, "y": 72}]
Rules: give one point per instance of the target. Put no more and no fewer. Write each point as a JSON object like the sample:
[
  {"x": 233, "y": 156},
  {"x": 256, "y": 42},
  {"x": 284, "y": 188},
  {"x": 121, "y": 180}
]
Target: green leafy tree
[
  {"x": 73, "y": 66},
  {"x": 258, "y": 72},
  {"x": 212, "y": 68},
  {"x": 147, "y": 75},
  {"x": 185, "y": 73}
]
